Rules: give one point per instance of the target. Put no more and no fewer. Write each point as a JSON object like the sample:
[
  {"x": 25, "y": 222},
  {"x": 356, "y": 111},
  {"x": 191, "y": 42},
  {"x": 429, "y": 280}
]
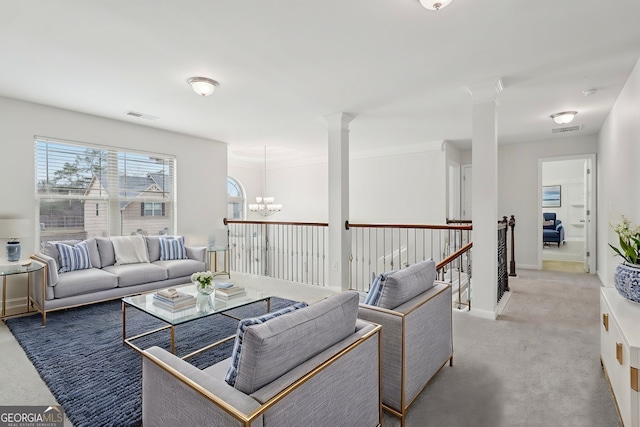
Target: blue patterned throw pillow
[
  {"x": 74, "y": 257},
  {"x": 172, "y": 248},
  {"x": 242, "y": 327},
  {"x": 375, "y": 291}
]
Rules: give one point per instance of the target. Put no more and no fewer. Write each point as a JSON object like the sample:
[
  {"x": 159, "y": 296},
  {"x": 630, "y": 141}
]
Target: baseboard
[
  {"x": 528, "y": 267},
  {"x": 484, "y": 314}
]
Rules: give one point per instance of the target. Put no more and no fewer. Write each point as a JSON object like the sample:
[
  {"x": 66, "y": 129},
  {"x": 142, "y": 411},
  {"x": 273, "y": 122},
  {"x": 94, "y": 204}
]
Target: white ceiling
[{"x": 283, "y": 65}]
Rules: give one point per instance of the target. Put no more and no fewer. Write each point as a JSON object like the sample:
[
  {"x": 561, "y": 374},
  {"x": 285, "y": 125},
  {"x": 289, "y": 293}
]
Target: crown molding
[{"x": 485, "y": 90}]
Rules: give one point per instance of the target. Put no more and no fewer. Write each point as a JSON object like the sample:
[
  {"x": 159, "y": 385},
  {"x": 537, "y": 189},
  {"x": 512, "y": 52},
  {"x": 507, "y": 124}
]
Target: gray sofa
[
  {"x": 415, "y": 313},
  {"x": 315, "y": 366},
  {"x": 106, "y": 279}
]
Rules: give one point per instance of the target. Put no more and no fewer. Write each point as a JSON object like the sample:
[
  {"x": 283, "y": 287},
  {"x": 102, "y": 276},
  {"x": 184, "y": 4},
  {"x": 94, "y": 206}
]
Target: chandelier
[{"x": 264, "y": 205}]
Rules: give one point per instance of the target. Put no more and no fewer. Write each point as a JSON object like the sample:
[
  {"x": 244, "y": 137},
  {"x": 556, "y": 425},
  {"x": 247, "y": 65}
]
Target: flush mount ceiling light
[
  {"x": 202, "y": 85},
  {"x": 564, "y": 117},
  {"x": 434, "y": 4}
]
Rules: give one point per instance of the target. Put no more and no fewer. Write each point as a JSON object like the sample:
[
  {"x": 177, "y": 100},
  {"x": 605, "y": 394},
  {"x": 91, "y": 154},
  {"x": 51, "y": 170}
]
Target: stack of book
[
  {"x": 171, "y": 299},
  {"x": 230, "y": 292}
]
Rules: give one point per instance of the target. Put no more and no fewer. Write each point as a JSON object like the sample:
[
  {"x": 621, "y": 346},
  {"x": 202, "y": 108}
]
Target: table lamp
[{"x": 12, "y": 229}]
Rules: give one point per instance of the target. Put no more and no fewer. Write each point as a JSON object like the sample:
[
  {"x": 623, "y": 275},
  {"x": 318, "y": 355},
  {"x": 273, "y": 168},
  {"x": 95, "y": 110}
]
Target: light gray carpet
[{"x": 537, "y": 365}]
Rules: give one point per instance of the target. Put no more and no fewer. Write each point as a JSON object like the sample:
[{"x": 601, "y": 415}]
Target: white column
[
  {"x": 484, "y": 197},
  {"x": 339, "y": 237}
]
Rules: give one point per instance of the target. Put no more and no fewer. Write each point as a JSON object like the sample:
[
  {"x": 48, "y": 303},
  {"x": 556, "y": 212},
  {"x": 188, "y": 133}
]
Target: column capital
[
  {"x": 338, "y": 120},
  {"x": 485, "y": 90}
]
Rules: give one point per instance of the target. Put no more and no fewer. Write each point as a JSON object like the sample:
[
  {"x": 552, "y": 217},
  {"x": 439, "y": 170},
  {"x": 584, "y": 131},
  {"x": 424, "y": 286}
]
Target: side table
[
  {"x": 212, "y": 261},
  {"x": 620, "y": 353},
  {"x": 14, "y": 269}
]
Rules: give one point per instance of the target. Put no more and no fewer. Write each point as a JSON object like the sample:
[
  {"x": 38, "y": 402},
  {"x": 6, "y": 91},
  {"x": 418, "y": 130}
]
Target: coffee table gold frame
[{"x": 172, "y": 326}]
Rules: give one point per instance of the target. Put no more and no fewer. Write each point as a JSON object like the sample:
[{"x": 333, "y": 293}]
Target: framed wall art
[{"x": 551, "y": 196}]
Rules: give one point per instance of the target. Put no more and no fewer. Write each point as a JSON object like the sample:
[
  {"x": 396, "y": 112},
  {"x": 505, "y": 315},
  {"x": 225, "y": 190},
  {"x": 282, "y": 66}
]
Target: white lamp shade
[
  {"x": 203, "y": 86},
  {"x": 12, "y": 228},
  {"x": 435, "y": 4}
]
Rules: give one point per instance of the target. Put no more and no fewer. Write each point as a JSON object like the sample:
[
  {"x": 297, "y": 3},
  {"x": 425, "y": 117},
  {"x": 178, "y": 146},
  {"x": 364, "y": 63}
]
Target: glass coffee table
[{"x": 206, "y": 306}]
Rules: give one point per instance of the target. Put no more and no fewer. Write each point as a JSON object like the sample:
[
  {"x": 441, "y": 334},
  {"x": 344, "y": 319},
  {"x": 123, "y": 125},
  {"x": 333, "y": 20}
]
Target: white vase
[
  {"x": 204, "y": 302},
  {"x": 205, "y": 289}
]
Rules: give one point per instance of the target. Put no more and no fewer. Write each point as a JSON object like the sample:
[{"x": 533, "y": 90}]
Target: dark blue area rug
[{"x": 96, "y": 377}]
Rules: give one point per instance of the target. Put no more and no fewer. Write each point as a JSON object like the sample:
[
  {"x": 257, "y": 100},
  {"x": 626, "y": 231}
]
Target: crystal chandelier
[{"x": 264, "y": 205}]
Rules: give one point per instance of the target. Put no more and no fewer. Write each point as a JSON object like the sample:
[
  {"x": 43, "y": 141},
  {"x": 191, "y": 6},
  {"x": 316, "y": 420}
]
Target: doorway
[{"x": 565, "y": 201}]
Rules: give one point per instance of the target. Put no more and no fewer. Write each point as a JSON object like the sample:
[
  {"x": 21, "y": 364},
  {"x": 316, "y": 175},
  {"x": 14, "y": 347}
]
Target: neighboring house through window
[
  {"x": 90, "y": 191},
  {"x": 235, "y": 199}
]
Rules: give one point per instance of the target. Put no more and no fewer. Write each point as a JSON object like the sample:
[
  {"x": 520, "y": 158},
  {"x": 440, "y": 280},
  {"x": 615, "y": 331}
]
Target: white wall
[
  {"x": 201, "y": 164},
  {"x": 405, "y": 188},
  {"x": 518, "y": 186},
  {"x": 393, "y": 188},
  {"x": 618, "y": 172}
]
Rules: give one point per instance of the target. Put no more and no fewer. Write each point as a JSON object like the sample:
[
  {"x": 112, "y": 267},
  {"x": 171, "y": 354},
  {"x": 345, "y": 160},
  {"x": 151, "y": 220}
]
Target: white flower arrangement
[
  {"x": 203, "y": 278},
  {"x": 629, "y": 239}
]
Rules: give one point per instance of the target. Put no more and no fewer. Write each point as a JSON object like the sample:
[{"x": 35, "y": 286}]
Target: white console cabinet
[{"x": 620, "y": 352}]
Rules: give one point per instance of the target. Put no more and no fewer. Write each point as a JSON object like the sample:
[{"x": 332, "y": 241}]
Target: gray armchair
[
  {"x": 315, "y": 366},
  {"x": 415, "y": 314}
]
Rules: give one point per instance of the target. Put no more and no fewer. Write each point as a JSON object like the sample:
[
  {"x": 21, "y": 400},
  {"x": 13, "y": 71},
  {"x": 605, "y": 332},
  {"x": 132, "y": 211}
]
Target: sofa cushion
[
  {"x": 153, "y": 247},
  {"x": 83, "y": 282},
  {"x": 135, "y": 274},
  {"x": 74, "y": 257},
  {"x": 270, "y": 349},
  {"x": 130, "y": 249},
  {"x": 181, "y": 267},
  {"x": 408, "y": 283},
  {"x": 172, "y": 248},
  {"x": 92, "y": 245},
  {"x": 230, "y": 378},
  {"x": 105, "y": 249}
]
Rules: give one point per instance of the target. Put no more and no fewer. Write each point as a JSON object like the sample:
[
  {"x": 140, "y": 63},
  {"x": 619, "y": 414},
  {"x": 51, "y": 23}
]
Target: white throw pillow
[{"x": 130, "y": 249}]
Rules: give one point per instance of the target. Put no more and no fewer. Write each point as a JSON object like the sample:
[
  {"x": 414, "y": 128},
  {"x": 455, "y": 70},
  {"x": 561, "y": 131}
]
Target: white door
[
  {"x": 453, "y": 207},
  {"x": 587, "y": 215},
  {"x": 466, "y": 192}
]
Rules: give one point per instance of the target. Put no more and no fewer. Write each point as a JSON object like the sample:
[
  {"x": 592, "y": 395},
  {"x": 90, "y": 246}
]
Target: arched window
[{"x": 235, "y": 199}]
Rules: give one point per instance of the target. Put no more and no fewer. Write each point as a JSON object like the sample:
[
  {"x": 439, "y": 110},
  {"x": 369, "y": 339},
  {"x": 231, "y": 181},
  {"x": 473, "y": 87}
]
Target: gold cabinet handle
[
  {"x": 619, "y": 352},
  {"x": 634, "y": 378},
  {"x": 605, "y": 321}
]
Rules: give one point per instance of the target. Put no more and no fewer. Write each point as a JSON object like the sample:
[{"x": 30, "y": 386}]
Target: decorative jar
[{"x": 627, "y": 281}]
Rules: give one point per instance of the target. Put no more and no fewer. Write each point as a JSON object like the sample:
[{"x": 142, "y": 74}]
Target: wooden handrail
[
  {"x": 454, "y": 255},
  {"x": 459, "y": 221},
  {"x": 237, "y": 221},
  {"x": 418, "y": 226},
  {"x": 349, "y": 225}
]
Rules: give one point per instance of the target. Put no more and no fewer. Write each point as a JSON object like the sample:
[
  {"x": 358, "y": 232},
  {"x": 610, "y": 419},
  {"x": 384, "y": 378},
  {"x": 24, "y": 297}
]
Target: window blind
[{"x": 88, "y": 190}]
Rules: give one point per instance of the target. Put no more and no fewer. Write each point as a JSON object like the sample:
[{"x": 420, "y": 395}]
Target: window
[
  {"x": 152, "y": 209},
  {"x": 87, "y": 191},
  {"x": 235, "y": 199}
]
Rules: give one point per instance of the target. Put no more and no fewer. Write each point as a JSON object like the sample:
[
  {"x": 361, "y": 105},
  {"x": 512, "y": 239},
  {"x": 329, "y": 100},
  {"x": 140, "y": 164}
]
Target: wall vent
[
  {"x": 566, "y": 129},
  {"x": 141, "y": 115}
]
